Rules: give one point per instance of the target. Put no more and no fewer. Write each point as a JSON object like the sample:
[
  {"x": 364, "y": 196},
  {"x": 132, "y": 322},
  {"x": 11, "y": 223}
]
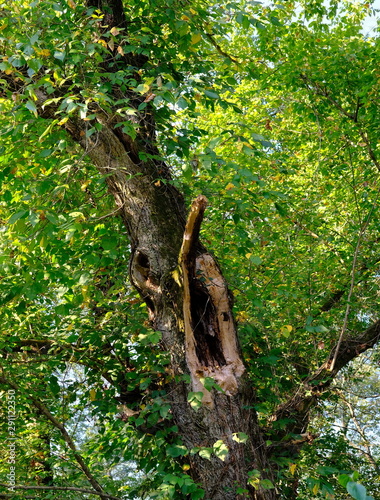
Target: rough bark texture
[{"x": 204, "y": 344}]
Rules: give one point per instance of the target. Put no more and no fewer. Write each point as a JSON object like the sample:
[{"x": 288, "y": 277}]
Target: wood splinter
[{"x": 213, "y": 332}]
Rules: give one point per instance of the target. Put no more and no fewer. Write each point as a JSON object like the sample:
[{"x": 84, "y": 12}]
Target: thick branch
[
  {"x": 191, "y": 234},
  {"x": 297, "y": 408}
]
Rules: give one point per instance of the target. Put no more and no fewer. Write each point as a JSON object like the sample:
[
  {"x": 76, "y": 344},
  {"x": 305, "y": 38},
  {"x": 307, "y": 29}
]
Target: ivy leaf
[
  {"x": 177, "y": 451},
  {"x": 240, "y": 437},
  {"x": 220, "y": 449}
]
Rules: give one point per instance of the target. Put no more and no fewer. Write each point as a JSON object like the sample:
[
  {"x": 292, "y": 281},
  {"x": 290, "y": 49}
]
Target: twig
[
  {"x": 220, "y": 50},
  {"x": 352, "y": 284}
]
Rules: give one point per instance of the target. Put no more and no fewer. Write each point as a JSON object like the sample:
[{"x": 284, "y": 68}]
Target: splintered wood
[{"x": 202, "y": 271}]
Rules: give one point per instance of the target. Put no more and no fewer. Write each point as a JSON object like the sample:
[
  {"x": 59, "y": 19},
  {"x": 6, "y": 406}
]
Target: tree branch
[
  {"x": 220, "y": 50},
  {"x": 66, "y": 437},
  {"x": 371, "y": 152},
  {"x": 297, "y": 408},
  {"x": 316, "y": 88},
  {"x": 352, "y": 284},
  {"x": 360, "y": 431}
]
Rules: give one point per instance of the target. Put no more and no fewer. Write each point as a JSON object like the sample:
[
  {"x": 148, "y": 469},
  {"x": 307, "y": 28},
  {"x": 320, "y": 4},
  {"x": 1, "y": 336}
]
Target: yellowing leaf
[
  {"x": 240, "y": 437},
  {"x": 315, "y": 488},
  {"x": 92, "y": 394},
  {"x": 285, "y": 330},
  {"x": 102, "y": 42},
  {"x": 85, "y": 184},
  {"x": 193, "y": 11},
  {"x": 111, "y": 44},
  {"x": 292, "y": 469},
  {"x": 220, "y": 450},
  {"x": 197, "y": 37},
  {"x": 120, "y": 50},
  {"x": 43, "y": 242},
  {"x": 242, "y": 316},
  {"x": 185, "y": 18},
  {"x": 229, "y": 186},
  {"x": 71, "y": 4},
  {"x": 43, "y": 52},
  {"x": 143, "y": 88},
  {"x": 63, "y": 121},
  {"x": 115, "y": 31},
  {"x": 254, "y": 481}
]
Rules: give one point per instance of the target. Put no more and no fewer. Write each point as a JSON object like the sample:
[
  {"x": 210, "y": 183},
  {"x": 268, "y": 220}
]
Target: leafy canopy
[{"x": 268, "y": 110}]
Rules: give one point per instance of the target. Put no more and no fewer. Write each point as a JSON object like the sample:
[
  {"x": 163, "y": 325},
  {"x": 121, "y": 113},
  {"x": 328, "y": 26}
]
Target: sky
[{"x": 371, "y": 21}]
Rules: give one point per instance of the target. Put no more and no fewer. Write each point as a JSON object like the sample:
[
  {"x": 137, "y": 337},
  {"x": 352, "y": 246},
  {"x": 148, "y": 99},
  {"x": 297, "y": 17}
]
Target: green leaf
[
  {"x": 52, "y": 218},
  {"x": 356, "y": 490},
  {"x": 255, "y": 259},
  {"x": 281, "y": 209},
  {"x": 16, "y": 216},
  {"x": 220, "y": 449},
  {"x": 206, "y": 453},
  {"x": 177, "y": 451},
  {"x": 195, "y": 399},
  {"x": 198, "y": 494},
  {"x": 59, "y": 55},
  {"x": 343, "y": 479},
  {"x": 213, "y": 95},
  {"x": 240, "y": 437},
  {"x": 54, "y": 385},
  {"x": 31, "y": 106},
  {"x": 266, "y": 484},
  {"x": 326, "y": 470}
]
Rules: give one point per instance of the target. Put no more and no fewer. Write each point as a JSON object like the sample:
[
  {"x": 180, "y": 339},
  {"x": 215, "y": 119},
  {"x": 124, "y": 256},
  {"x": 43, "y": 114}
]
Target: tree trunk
[{"x": 188, "y": 302}]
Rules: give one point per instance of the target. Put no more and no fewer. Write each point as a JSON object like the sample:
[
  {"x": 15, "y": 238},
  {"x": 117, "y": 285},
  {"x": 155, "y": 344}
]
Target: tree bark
[{"x": 190, "y": 305}]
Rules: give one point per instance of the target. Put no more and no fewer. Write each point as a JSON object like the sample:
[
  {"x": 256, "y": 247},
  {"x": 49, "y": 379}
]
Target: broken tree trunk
[{"x": 189, "y": 303}]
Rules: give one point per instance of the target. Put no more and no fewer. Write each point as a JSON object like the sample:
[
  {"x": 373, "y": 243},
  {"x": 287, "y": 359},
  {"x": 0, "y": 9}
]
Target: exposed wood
[{"x": 211, "y": 345}]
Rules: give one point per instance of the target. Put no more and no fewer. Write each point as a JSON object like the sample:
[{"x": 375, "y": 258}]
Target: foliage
[{"x": 268, "y": 110}]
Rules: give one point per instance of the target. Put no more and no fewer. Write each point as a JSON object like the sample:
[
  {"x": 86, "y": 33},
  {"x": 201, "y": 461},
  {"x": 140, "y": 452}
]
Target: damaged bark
[
  {"x": 210, "y": 335},
  {"x": 192, "y": 309}
]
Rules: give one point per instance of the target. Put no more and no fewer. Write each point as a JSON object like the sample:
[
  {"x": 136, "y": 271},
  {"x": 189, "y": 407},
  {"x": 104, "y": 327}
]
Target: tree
[{"x": 275, "y": 116}]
